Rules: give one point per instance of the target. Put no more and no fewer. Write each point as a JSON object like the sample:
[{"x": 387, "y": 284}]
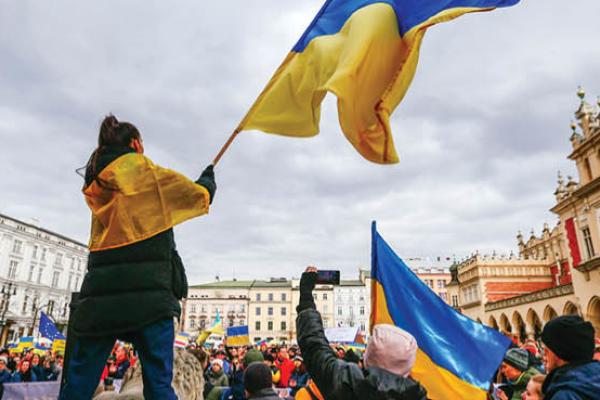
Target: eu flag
[
  {"x": 457, "y": 357},
  {"x": 48, "y": 329}
]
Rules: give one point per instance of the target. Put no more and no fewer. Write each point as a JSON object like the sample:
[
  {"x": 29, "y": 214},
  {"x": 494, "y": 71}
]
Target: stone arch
[
  {"x": 505, "y": 325},
  {"x": 549, "y": 313},
  {"x": 570, "y": 309},
  {"x": 519, "y": 326},
  {"x": 593, "y": 313},
  {"x": 493, "y": 323},
  {"x": 534, "y": 323}
]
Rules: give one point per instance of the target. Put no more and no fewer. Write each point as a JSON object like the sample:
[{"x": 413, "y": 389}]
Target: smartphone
[{"x": 328, "y": 277}]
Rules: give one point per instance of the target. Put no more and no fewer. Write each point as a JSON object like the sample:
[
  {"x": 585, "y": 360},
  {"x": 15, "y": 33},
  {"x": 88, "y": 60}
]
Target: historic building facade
[
  {"x": 557, "y": 272},
  {"x": 352, "y": 302},
  {"x": 268, "y": 307},
  {"x": 39, "y": 270}
]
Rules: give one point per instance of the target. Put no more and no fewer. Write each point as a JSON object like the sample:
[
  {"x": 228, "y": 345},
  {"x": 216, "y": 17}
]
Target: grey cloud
[{"x": 481, "y": 133}]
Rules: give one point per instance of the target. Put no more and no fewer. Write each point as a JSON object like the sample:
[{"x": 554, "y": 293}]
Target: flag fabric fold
[
  {"x": 363, "y": 51},
  {"x": 48, "y": 329},
  {"x": 457, "y": 357}
]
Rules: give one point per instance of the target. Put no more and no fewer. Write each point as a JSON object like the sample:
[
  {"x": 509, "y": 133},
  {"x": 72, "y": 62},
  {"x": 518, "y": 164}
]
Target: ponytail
[{"x": 113, "y": 134}]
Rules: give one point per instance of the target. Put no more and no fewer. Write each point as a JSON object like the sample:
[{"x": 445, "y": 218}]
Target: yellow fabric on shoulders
[{"x": 141, "y": 200}]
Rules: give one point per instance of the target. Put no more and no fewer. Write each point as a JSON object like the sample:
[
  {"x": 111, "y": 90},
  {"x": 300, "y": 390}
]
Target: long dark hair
[{"x": 113, "y": 135}]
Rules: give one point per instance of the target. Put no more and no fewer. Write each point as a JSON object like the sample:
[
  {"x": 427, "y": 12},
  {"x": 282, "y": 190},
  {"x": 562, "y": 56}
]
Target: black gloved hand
[
  {"x": 307, "y": 284},
  {"x": 207, "y": 179},
  {"x": 209, "y": 172}
]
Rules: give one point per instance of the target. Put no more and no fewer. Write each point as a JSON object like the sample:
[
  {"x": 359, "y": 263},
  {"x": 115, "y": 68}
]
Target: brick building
[{"x": 555, "y": 273}]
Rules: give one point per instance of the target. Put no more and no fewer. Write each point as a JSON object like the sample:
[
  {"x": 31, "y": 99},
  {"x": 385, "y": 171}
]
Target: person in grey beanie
[
  {"x": 568, "y": 358},
  {"x": 518, "y": 371}
]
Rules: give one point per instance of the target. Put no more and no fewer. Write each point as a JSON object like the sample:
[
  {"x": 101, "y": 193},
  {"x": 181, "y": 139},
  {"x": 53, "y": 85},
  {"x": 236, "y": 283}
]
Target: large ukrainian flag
[
  {"x": 366, "y": 53},
  {"x": 457, "y": 356}
]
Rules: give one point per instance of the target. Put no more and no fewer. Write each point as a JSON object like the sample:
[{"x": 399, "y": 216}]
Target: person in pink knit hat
[
  {"x": 390, "y": 356},
  {"x": 402, "y": 344}
]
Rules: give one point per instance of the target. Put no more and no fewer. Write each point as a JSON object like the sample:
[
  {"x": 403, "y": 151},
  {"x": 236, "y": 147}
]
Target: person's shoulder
[{"x": 378, "y": 380}]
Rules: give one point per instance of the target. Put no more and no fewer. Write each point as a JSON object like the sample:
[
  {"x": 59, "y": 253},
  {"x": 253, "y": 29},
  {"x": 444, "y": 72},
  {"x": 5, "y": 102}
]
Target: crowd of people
[
  {"x": 29, "y": 366},
  {"x": 563, "y": 364}
]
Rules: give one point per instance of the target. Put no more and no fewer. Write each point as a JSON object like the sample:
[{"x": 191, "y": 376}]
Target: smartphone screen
[{"x": 328, "y": 277}]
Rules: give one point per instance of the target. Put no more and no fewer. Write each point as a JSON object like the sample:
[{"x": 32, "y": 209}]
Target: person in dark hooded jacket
[
  {"x": 135, "y": 276},
  {"x": 384, "y": 377},
  {"x": 568, "y": 358}
]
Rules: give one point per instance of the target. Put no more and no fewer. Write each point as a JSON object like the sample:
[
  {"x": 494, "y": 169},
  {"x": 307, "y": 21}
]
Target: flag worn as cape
[
  {"x": 363, "y": 51},
  {"x": 140, "y": 200},
  {"x": 457, "y": 357}
]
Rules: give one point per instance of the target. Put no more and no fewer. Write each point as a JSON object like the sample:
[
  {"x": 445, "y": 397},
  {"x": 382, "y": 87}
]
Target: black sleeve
[
  {"x": 335, "y": 378},
  {"x": 207, "y": 179}
]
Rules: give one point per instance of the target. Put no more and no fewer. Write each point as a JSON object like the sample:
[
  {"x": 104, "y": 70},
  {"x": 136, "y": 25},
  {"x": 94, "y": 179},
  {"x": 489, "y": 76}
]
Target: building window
[
  {"x": 193, "y": 323},
  {"x": 25, "y": 300},
  {"x": 202, "y": 324},
  {"x": 70, "y": 281},
  {"x": 362, "y": 310},
  {"x": 257, "y": 325},
  {"x": 283, "y": 326},
  {"x": 31, "y": 272},
  {"x": 257, "y": 311},
  {"x": 55, "y": 278},
  {"x": 35, "y": 251},
  {"x": 324, "y": 296},
  {"x": 242, "y": 308},
  {"x": 39, "y": 276},
  {"x": 325, "y": 323},
  {"x": 193, "y": 308},
  {"x": 339, "y": 310},
  {"x": 315, "y": 296},
  {"x": 17, "y": 246},
  {"x": 58, "y": 260},
  {"x": 441, "y": 284},
  {"x": 76, "y": 283},
  {"x": 270, "y": 296},
  {"x": 270, "y": 311},
  {"x": 12, "y": 269},
  {"x": 587, "y": 239},
  {"x": 257, "y": 296},
  {"x": 50, "y": 307},
  {"x": 270, "y": 325},
  {"x": 283, "y": 297},
  {"x": 203, "y": 309},
  {"x": 283, "y": 311},
  {"x": 325, "y": 308},
  {"x": 444, "y": 296}
]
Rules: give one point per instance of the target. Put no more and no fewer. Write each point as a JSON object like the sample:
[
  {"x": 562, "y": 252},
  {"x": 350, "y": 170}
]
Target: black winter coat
[
  {"x": 341, "y": 380},
  {"x": 130, "y": 287}
]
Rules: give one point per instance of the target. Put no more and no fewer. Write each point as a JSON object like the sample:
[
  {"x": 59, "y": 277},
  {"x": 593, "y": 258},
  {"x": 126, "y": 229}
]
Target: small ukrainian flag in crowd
[
  {"x": 457, "y": 357},
  {"x": 363, "y": 51},
  {"x": 238, "y": 336}
]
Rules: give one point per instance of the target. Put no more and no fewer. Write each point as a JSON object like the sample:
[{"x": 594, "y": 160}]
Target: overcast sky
[{"x": 481, "y": 134}]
